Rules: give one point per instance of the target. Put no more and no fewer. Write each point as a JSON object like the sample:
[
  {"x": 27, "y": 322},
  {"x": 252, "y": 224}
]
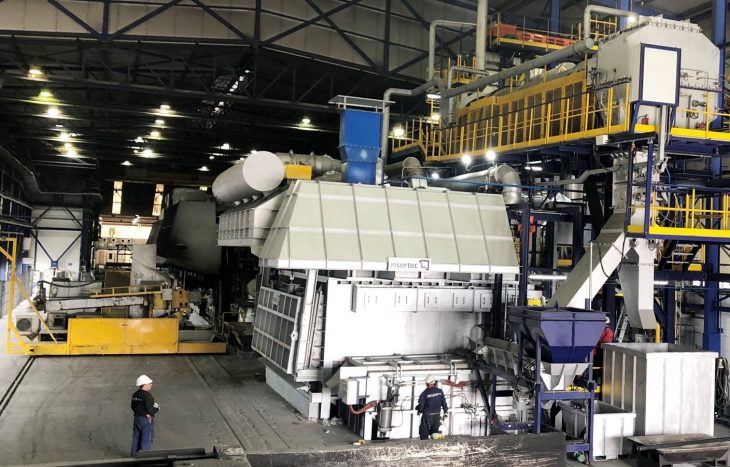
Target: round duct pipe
[
  {"x": 506, "y": 175},
  {"x": 260, "y": 172},
  {"x": 408, "y": 167}
]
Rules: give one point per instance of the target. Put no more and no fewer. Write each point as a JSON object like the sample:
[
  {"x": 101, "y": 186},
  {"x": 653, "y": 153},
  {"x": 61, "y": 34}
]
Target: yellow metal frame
[
  {"x": 698, "y": 215},
  {"x": 98, "y": 336},
  {"x": 547, "y": 113}
]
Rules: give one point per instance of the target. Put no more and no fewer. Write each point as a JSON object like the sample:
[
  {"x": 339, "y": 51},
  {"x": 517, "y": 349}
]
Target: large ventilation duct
[
  {"x": 320, "y": 164},
  {"x": 408, "y": 167},
  {"x": 499, "y": 174},
  {"x": 260, "y": 172}
]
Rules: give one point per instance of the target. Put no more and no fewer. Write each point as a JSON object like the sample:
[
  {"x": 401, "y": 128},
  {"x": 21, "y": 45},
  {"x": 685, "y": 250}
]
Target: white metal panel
[
  {"x": 670, "y": 388},
  {"x": 337, "y": 226},
  {"x": 660, "y": 71}
]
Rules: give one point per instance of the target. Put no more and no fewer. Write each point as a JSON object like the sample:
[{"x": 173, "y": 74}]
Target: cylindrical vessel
[
  {"x": 385, "y": 416},
  {"x": 260, "y": 172}
]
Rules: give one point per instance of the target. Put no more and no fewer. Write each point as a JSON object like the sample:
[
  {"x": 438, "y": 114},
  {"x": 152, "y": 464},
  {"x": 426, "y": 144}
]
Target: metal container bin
[
  {"x": 611, "y": 427},
  {"x": 670, "y": 388}
]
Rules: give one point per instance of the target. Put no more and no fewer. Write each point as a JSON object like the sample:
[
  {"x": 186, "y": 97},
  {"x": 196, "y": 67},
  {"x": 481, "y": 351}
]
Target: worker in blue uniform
[
  {"x": 144, "y": 408},
  {"x": 430, "y": 403}
]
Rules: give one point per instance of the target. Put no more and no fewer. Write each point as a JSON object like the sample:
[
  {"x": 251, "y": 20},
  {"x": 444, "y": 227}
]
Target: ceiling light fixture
[
  {"x": 398, "y": 132},
  {"x": 435, "y": 176},
  {"x": 64, "y": 137},
  {"x": 466, "y": 159},
  {"x": 68, "y": 146},
  {"x": 225, "y": 146},
  {"x": 204, "y": 169},
  {"x": 490, "y": 155},
  {"x": 147, "y": 153},
  {"x": 139, "y": 139},
  {"x": 155, "y": 134},
  {"x": 53, "y": 112},
  {"x": 45, "y": 94},
  {"x": 211, "y": 157},
  {"x": 253, "y": 151},
  {"x": 306, "y": 121},
  {"x": 165, "y": 109},
  {"x": 159, "y": 122},
  {"x": 126, "y": 163}
]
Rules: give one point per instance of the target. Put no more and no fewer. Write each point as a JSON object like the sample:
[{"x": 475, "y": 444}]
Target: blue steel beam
[
  {"x": 712, "y": 332},
  {"x": 555, "y": 16}
]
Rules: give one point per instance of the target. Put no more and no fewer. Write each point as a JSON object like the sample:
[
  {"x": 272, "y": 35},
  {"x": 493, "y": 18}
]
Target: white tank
[{"x": 260, "y": 172}]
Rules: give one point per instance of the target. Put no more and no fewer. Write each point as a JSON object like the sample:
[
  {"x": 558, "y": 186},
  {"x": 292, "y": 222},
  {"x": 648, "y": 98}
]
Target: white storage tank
[{"x": 670, "y": 388}]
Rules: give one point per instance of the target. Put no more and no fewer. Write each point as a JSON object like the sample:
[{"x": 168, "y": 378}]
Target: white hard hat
[
  {"x": 430, "y": 379},
  {"x": 144, "y": 379},
  {"x": 608, "y": 320}
]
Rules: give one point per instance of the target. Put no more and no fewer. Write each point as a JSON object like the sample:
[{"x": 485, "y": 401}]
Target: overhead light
[
  {"x": 136, "y": 151},
  {"x": 211, "y": 157},
  {"x": 59, "y": 126},
  {"x": 253, "y": 151},
  {"x": 139, "y": 139},
  {"x": 661, "y": 282},
  {"x": 490, "y": 155},
  {"x": 435, "y": 175},
  {"x": 165, "y": 109},
  {"x": 466, "y": 159},
  {"x": 398, "y": 132},
  {"x": 432, "y": 95},
  {"x": 74, "y": 135},
  {"x": 306, "y": 121},
  {"x": 216, "y": 109},
  {"x": 631, "y": 19},
  {"x": 64, "y": 136},
  {"x": 241, "y": 158},
  {"x": 204, "y": 169},
  {"x": 159, "y": 122},
  {"x": 126, "y": 163},
  {"x": 68, "y": 146},
  {"x": 72, "y": 152},
  {"x": 547, "y": 277},
  {"x": 147, "y": 153},
  {"x": 155, "y": 134},
  {"x": 435, "y": 117},
  {"x": 221, "y": 104},
  {"x": 534, "y": 168},
  {"x": 241, "y": 78},
  {"x": 53, "y": 112},
  {"x": 35, "y": 72},
  {"x": 45, "y": 94},
  {"x": 225, "y": 146}
]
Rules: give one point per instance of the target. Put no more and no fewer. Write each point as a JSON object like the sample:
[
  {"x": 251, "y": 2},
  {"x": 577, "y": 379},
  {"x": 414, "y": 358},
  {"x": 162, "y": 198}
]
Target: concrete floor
[
  {"x": 77, "y": 408},
  {"x": 71, "y": 409}
]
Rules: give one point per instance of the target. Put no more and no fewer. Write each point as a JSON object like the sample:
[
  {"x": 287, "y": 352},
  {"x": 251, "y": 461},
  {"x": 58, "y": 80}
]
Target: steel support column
[
  {"x": 671, "y": 310},
  {"x": 623, "y": 5},
  {"x": 524, "y": 256},
  {"x": 555, "y": 16},
  {"x": 711, "y": 337}
]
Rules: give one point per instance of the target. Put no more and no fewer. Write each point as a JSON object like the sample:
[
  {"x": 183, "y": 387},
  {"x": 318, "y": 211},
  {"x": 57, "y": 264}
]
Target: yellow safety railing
[
  {"x": 126, "y": 291},
  {"x": 15, "y": 342},
  {"x": 551, "y": 112},
  {"x": 601, "y": 27},
  {"x": 500, "y": 33},
  {"x": 695, "y": 213}
]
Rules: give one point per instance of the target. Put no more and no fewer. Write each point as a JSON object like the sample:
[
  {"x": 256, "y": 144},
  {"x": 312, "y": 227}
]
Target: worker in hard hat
[
  {"x": 430, "y": 403},
  {"x": 144, "y": 408}
]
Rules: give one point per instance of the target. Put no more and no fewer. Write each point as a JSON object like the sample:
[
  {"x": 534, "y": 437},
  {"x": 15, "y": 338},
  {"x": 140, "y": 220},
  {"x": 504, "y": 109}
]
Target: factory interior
[{"x": 364, "y": 232}]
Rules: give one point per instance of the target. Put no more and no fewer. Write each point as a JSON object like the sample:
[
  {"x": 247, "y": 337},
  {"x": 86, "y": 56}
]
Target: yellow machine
[{"x": 101, "y": 335}]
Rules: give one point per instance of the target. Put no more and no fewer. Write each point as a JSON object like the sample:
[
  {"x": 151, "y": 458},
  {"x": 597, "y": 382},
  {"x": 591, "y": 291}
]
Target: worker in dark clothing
[
  {"x": 430, "y": 403},
  {"x": 144, "y": 408}
]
